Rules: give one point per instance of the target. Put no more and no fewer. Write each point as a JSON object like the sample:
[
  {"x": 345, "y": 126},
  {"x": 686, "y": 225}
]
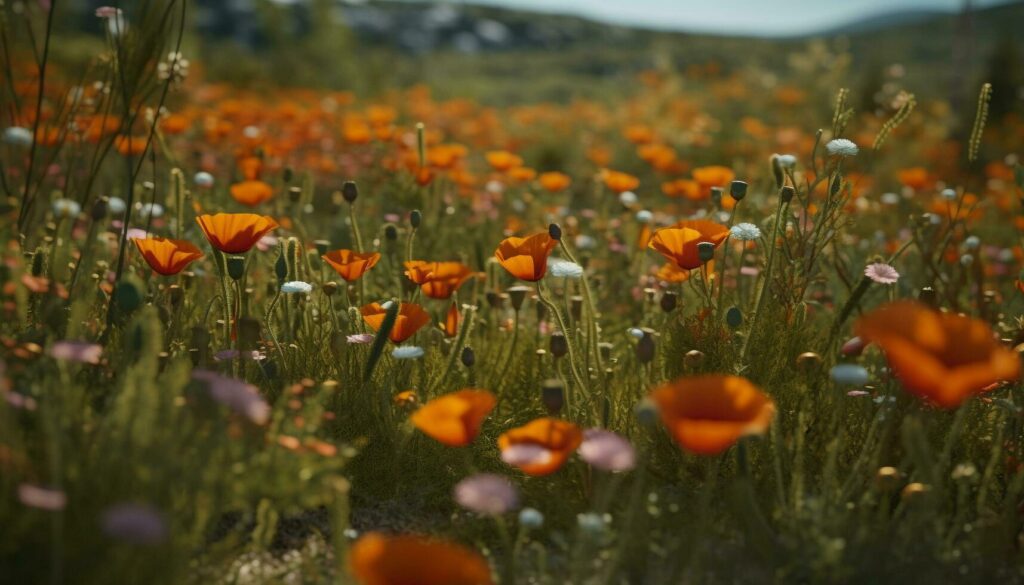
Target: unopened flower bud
[
  {"x": 705, "y": 251},
  {"x": 552, "y": 395},
  {"x": 517, "y": 294},
  {"x": 555, "y": 231},
  {"x": 786, "y": 194},
  {"x": 468, "y": 356},
  {"x": 349, "y": 191},
  {"x": 738, "y": 190},
  {"x": 294, "y": 194},
  {"x": 391, "y": 232},
  {"x": 693, "y": 358},
  {"x": 669, "y": 301},
  {"x": 558, "y": 344},
  {"x": 645, "y": 347},
  {"x": 415, "y": 219}
]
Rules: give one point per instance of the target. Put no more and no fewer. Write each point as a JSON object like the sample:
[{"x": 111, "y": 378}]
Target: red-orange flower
[
  {"x": 351, "y": 265},
  {"x": 377, "y": 559},
  {"x": 411, "y": 317},
  {"x": 235, "y": 233},
  {"x": 679, "y": 242},
  {"x": 438, "y": 280},
  {"x": 619, "y": 182},
  {"x": 451, "y": 321},
  {"x": 454, "y": 419},
  {"x": 526, "y": 258},
  {"x": 707, "y": 414},
  {"x": 251, "y": 193},
  {"x": 940, "y": 357},
  {"x": 165, "y": 256},
  {"x": 540, "y": 447}
]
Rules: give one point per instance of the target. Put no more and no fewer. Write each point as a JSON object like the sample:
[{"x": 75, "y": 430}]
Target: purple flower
[
  {"x": 236, "y": 395},
  {"x": 607, "y": 451},
  {"x": 487, "y": 493},
  {"x": 134, "y": 523},
  {"x": 77, "y": 351},
  {"x": 881, "y": 273},
  {"x": 42, "y": 498}
]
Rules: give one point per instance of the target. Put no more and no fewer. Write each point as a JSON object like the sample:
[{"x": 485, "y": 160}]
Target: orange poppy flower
[
  {"x": 235, "y": 233},
  {"x": 712, "y": 176},
  {"x": 438, "y": 280},
  {"x": 619, "y": 182},
  {"x": 707, "y": 414},
  {"x": 526, "y": 258},
  {"x": 411, "y": 317},
  {"x": 540, "y": 447},
  {"x": 454, "y": 419},
  {"x": 670, "y": 272},
  {"x": 251, "y": 193},
  {"x": 940, "y": 357},
  {"x": 502, "y": 160},
  {"x": 130, "y": 145},
  {"x": 165, "y": 256},
  {"x": 351, "y": 265},
  {"x": 378, "y": 559},
  {"x": 554, "y": 182}
]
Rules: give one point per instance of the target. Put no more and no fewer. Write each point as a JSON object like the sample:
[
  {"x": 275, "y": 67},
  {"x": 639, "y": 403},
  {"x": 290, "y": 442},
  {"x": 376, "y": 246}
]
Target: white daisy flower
[{"x": 842, "y": 147}]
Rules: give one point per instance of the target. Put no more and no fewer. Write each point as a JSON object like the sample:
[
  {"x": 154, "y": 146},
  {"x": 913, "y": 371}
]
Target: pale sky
[{"x": 761, "y": 17}]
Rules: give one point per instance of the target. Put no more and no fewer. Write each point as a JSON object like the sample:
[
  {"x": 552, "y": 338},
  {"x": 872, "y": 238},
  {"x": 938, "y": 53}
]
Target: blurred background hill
[{"x": 500, "y": 55}]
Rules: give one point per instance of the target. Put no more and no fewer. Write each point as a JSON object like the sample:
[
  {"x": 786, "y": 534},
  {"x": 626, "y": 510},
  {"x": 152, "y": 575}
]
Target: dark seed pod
[
  {"x": 716, "y": 196},
  {"x": 322, "y": 246},
  {"x": 330, "y": 288},
  {"x": 294, "y": 194},
  {"x": 468, "y": 357},
  {"x": 248, "y": 333},
  {"x": 390, "y": 232},
  {"x": 738, "y": 190},
  {"x": 734, "y": 317},
  {"x": 645, "y": 348},
  {"x": 786, "y": 194},
  {"x": 415, "y": 219},
  {"x": 175, "y": 294},
  {"x": 928, "y": 297},
  {"x": 236, "y": 267},
  {"x": 576, "y": 307},
  {"x": 705, "y": 251},
  {"x": 693, "y": 358},
  {"x": 559, "y": 346},
  {"x": 287, "y": 175},
  {"x": 349, "y": 191},
  {"x": 606, "y": 350},
  {"x": 281, "y": 267},
  {"x": 669, "y": 301},
  {"x": 100, "y": 208},
  {"x": 494, "y": 299},
  {"x": 517, "y": 295},
  {"x": 552, "y": 395},
  {"x": 555, "y": 231}
]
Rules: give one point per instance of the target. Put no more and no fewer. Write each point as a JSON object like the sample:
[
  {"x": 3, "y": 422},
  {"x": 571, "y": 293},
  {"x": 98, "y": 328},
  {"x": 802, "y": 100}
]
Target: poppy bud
[
  {"x": 645, "y": 348},
  {"x": 349, "y": 191},
  {"x": 391, "y": 232},
  {"x": 322, "y": 246},
  {"x": 37, "y": 262},
  {"x": 669, "y": 300},
  {"x": 649, "y": 294},
  {"x": 705, "y": 251},
  {"x": 294, "y": 194},
  {"x": 808, "y": 361},
  {"x": 552, "y": 394},
  {"x": 494, "y": 300},
  {"x": 734, "y": 317},
  {"x": 200, "y": 338},
  {"x": 647, "y": 413},
  {"x": 887, "y": 478},
  {"x": 176, "y": 294},
  {"x": 777, "y": 171},
  {"x": 914, "y": 491},
  {"x": 517, "y": 294},
  {"x": 606, "y": 350},
  {"x": 542, "y": 311},
  {"x": 928, "y": 297},
  {"x": 281, "y": 267},
  {"x": 468, "y": 357},
  {"x": 248, "y": 333},
  {"x": 236, "y": 267},
  {"x": 693, "y": 358},
  {"x": 559, "y": 346},
  {"x": 415, "y": 219},
  {"x": 738, "y": 190},
  {"x": 127, "y": 296},
  {"x": 576, "y": 307},
  {"x": 287, "y": 174},
  {"x": 100, "y": 208},
  {"x": 786, "y": 194},
  {"x": 853, "y": 347},
  {"x": 330, "y": 288},
  {"x": 716, "y": 196},
  {"x": 555, "y": 231}
]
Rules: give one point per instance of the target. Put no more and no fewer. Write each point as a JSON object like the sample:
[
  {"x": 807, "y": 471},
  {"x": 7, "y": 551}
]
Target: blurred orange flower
[
  {"x": 378, "y": 559},
  {"x": 235, "y": 233},
  {"x": 707, "y": 414},
  {"x": 351, "y": 265},
  {"x": 554, "y": 182},
  {"x": 166, "y": 256},
  {"x": 619, "y": 182},
  {"x": 438, "y": 280},
  {"x": 940, "y": 357},
  {"x": 540, "y": 447},
  {"x": 251, "y": 193},
  {"x": 454, "y": 419},
  {"x": 411, "y": 318}
]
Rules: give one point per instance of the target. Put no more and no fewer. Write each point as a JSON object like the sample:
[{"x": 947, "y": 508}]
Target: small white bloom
[
  {"x": 531, "y": 518},
  {"x": 18, "y": 136},
  {"x": 151, "y": 209},
  {"x": 296, "y": 286},
  {"x": 967, "y": 260},
  {"x": 644, "y": 216},
  {"x": 585, "y": 242},
  {"x": 564, "y": 269},
  {"x": 949, "y": 194},
  {"x": 627, "y": 198},
  {"x": 842, "y": 147},
  {"x": 636, "y": 332},
  {"x": 850, "y": 374},
  {"x": 407, "y": 352},
  {"x": 204, "y": 179},
  {"x": 66, "y": 208},
  {"x": 745, "y": 232},
  {"x": 890, "y": 198},
  {"x": 116, "y": 205},
  {"x": 972, "y": 243},
  {"x": 786, "y": 161},
  {"x": 251, "y": 132},
  {"x": 591, "y": 523},
  {"x": 387, "y": 305}
]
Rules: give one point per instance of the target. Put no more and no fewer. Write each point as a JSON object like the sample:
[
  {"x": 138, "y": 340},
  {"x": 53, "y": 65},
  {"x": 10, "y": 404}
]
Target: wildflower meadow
[{"x": 459, "y": 317}]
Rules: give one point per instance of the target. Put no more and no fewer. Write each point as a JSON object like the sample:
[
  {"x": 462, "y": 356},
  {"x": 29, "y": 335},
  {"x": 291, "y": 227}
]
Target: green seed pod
[
  {"x": 390, "y": 232},
  {"x": 786, "y": 194},
  {"x": 415, "y": 219},
  {"x": 552, "y": 395},
  {"x": 669, "y": 301},
  {"x": 705, "y": 251},
  {"x": 734, "y": 317},
  {"x": 555, "y": 231},
  {"x": 738, "y": 190},
  {"x": 517, "y": 294},
  {"x": 349, "y": 191},
  {"x": 236, "y": 267},
  {"x": 558, "y": 345},
  {"x": 468, "y": 357}
]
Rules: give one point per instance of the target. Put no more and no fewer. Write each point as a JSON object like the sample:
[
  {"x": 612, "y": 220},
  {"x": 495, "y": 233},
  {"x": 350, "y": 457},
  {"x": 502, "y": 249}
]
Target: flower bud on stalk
[
  {"x": 738, "y": 190},
  {"x": 552, "y": 394},
  {"x": 349, "y": 191}
]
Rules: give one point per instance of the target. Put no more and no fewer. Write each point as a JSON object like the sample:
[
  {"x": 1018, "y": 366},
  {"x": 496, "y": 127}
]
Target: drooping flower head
[
  {"x": 526, "y": 258},
  {"x": 706, "y": 414},
  {"x": 940, "y": 357},
  {"x": 235, "y": 233},
  {"x": 351, "y": 265},
  {"x": 166, "y": 256}
]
